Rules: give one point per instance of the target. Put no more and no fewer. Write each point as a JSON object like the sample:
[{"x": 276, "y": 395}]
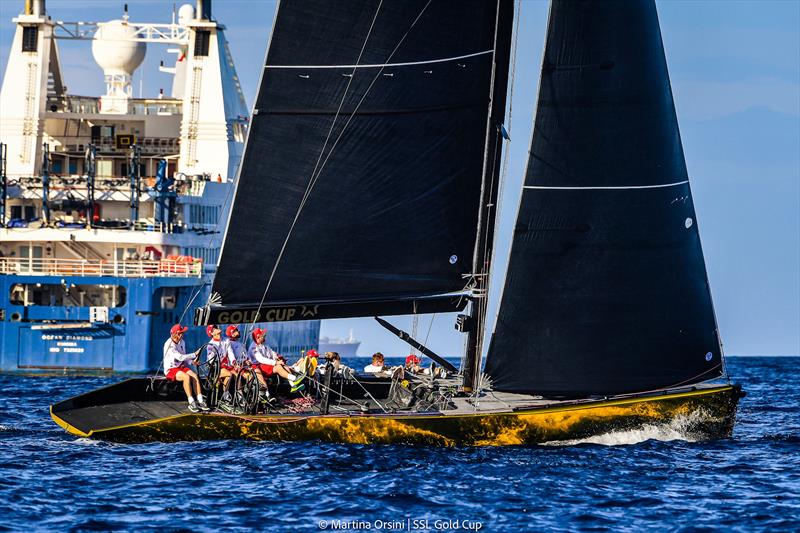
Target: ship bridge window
[
  {"x": 67, "y": 295},
  {"x": 26, "y": 212},
  {"x": 30, "y": 38},
  {"x": 201, "y": 41}
]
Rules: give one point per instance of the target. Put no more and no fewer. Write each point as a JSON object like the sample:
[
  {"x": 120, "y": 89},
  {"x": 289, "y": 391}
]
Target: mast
[
  {"x": 3, "y": 185},
  {"x": 46, "y": 182},
  {"x": 487, "y": 212},
  {"x": 90, "y": 166}
]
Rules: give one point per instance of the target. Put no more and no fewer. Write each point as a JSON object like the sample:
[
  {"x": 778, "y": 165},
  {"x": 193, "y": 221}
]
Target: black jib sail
[
  {"x": 606, "y": 290},
  {"x": 362, "y": 172}
]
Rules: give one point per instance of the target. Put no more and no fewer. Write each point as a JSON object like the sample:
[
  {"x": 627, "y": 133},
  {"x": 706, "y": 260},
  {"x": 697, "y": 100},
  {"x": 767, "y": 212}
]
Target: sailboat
[{"x": 368, "y": 188}]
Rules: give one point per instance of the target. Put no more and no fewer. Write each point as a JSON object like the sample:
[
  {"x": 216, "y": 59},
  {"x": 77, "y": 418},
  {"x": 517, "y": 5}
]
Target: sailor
[
  {"x": 377, "y": 365},
  {"x": 335, "y": 361},
  {"x": 307, "y": 364},
  {"x": 266, "y": 362},
  {"x": 233, "y": 356},
  {"x": 413, "y": 363},
  {"x": 176, "y": 368},
  {"x": 216, "y": 349}
]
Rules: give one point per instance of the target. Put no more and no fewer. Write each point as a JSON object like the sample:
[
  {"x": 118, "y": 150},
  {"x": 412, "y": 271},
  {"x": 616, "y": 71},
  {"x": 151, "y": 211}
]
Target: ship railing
[
  {"x": 129, "y": 268},
  {"x": 91, "y": 105}
]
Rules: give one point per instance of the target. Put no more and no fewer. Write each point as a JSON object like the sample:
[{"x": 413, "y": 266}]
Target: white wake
[{"x": 679, "y": 428}]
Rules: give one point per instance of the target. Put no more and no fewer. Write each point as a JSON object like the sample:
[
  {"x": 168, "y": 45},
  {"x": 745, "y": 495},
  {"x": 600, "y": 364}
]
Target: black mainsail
[
  {"x": 362, "y": 173},
  {"x": 606, "y": 290}
]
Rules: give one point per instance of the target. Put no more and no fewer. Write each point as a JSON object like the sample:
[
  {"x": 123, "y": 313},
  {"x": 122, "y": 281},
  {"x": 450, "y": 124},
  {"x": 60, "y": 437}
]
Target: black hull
[{"x": 123, "y": 413}]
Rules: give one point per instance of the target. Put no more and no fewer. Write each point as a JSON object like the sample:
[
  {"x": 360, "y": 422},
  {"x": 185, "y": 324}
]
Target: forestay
[
  {"x": 606, "y": 290},
  {"x": 389, "y": 150}
]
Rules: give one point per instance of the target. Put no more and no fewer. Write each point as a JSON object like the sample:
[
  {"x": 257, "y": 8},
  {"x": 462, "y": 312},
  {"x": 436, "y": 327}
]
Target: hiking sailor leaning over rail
[
  {"x": 267, "y": 362},
  {"x": 176, "y": 367}
]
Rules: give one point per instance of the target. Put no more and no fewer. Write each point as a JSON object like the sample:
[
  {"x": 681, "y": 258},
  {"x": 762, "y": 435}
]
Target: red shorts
[
  {"x": 173, "y": 372},
  {"x": 267, "y": 370}
]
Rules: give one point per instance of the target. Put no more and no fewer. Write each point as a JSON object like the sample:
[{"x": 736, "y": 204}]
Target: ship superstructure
[
  {"x": 111, "y": 206},
  {"x": 344, "y": 347}
]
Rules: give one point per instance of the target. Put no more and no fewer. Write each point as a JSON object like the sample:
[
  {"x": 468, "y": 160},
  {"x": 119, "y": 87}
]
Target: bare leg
[
  {"x": 195, "y": 381},
  {"x": 225, "y": 374},
  {"x": 282, "y": 371},
  {"x": 260, "y": 376},
  {"x": 186, "y": 380}
]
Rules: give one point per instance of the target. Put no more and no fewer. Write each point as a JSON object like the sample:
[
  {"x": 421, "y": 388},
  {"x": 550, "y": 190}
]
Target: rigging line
[
  {"x": 608, "y": 188},
  {"x": 320, "y": 384},
  {"x": 383, "y": 65},
  {"x": 312, "y": 180},
  {"x": 189, "y": 304},
  {"x": 433, "y": 317}
]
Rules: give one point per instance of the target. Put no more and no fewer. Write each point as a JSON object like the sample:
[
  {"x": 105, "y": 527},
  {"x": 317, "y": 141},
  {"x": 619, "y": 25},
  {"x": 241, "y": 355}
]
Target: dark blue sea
[{"x": 632, "y": 481}]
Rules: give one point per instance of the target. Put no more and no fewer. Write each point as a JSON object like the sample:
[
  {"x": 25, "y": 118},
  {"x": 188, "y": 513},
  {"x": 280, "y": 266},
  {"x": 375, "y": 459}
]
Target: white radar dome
[
  {"x": 185, "y": 14},
  {"x": 114, "y": 50}
]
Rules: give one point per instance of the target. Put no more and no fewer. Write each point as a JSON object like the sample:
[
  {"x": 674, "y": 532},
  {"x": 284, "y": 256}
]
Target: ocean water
[{"x": 631, "y": 481}]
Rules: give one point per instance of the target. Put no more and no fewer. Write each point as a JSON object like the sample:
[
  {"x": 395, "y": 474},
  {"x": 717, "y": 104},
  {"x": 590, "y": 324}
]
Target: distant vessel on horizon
[{"x": 345, "y": 347}]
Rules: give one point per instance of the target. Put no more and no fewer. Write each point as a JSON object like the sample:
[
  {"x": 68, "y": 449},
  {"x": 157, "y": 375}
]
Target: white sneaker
[{"x": 193, "y": 406}]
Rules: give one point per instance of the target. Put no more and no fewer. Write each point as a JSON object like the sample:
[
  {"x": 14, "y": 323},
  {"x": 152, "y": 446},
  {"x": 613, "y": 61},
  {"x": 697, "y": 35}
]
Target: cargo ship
[{"x": 111, "y": 206}]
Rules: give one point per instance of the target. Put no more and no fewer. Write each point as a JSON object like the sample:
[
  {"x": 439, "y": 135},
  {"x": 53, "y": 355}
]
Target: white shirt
[
  {"x": 236, "y": 352},
  {"x": 372, "y": 369},
  {"x": 216, "y": 349},
  {"x": 262, "y": 354},
  {"x": 175, "y": 355}
]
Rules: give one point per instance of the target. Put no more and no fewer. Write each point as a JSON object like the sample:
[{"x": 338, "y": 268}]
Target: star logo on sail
[{"x": 309, "y": 311}]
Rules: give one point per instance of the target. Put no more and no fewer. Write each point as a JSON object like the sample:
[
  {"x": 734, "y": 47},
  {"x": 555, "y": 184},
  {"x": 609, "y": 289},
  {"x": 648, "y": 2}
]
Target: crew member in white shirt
[
  {"x": 233, "y": 356},
  {"x": 176, "y": 368},
  {"x": 377, "y": 364},
  {"x": 217, "y": 349},
  {"x": 266, "y": 362}
]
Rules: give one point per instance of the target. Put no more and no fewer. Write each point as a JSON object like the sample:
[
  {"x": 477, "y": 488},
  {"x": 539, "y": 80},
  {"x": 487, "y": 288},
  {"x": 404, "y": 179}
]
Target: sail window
[
  {"x": 67, "y": 295},
  {"x": 30, "y": 38},
  {"x": 688, "y": 223},
  {"x": 201, "y": 42}
]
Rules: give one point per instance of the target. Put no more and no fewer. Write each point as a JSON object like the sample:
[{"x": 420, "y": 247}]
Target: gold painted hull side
[{"x": 702, "y": 414}]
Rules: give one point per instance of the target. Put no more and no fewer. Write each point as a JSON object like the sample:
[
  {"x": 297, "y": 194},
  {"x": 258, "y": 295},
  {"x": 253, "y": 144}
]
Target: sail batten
[
  {"x": 606, "y": 290},
  {"x": 383, "y": 65}
]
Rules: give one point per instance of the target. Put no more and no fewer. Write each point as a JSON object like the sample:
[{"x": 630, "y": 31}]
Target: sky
[{"x": 735, "y": 71}]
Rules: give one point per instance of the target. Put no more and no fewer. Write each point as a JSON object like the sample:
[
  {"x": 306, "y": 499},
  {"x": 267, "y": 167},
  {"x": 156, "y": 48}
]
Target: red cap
[
  {"x": 210, "y": 330},
  {"x": 312, "y": 353},
  {"x": 177, "y": 328},
  {"x": 413, "y": 359},
  {"x": 230, "y": 329},
  {"x": 259, "y": 331}
]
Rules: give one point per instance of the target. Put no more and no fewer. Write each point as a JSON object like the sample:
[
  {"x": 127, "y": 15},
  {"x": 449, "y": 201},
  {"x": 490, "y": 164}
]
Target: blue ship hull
[{"x": 62, "y": 338}]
